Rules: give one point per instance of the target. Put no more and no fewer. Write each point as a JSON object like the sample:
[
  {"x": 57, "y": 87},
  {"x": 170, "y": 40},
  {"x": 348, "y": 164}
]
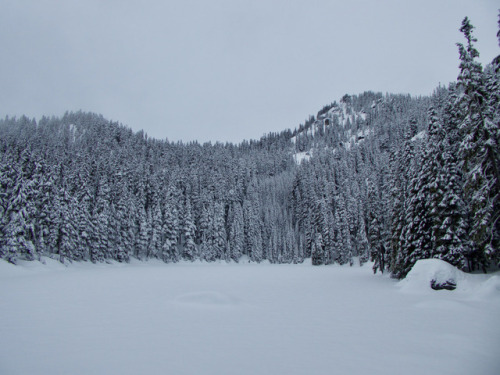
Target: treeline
[
  {"x": 389, "y": 178},
  {"x": 81, "y": 187}
]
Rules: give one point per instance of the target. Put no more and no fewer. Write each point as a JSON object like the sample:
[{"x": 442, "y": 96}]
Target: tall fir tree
[{"x": 479, "y": 151}]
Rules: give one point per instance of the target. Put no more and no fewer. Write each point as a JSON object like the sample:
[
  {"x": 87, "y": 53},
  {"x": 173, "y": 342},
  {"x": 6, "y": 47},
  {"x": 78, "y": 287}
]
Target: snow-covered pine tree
[
  {"x": 479, "y": 150},
  {"x": 155, "y": 242},
  {"x": 19, "y": 210},
  {"x": 68, "y": 228},
  {"x": 219, "y": 231},
  {"x": 142, "y": 238},
  {"x": 449, "y": 231},
  {"x": 236, "y": 235},
  {"x": 252, "y": 224},
  {"x": 317, "y": 251},
  {"x": 170, "y": 230},
  {"x": 375, "y": 239},
  {"x": 403, "y": 165},
  {"x": 188, "y": 233}
]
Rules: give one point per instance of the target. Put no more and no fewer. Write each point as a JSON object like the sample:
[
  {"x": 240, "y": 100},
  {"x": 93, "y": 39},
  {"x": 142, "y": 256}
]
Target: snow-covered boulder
[
  {"x": 432, "y": 273},
  {"x": 429, "y": 274}
]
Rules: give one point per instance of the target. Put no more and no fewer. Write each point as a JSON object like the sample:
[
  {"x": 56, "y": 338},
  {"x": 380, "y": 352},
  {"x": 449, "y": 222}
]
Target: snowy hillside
[
  {"x": 339, "y": 125},
  {"x": 218, "y": 318}
]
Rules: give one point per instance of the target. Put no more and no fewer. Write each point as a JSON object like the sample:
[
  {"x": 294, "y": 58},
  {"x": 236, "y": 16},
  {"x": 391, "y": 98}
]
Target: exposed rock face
[{"x": 448, "y": 284}]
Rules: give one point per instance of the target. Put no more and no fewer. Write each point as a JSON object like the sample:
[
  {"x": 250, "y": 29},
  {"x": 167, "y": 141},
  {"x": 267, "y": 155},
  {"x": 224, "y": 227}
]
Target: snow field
[{"x": 198, "y": 318}]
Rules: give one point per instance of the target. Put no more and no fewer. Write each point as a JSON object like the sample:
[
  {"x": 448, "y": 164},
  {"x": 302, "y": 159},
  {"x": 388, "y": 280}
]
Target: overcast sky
[{"x": 225, "y": 70}]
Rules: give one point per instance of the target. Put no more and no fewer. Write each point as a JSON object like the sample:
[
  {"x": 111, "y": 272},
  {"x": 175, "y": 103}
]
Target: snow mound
[
  {"x": 434, "y": 271},
  {"x": 206, "y": 299},
  {"x": 427, "y": 271}
]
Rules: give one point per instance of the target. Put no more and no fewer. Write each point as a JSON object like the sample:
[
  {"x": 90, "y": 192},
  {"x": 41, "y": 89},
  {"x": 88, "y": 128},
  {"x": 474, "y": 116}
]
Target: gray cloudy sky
[{"x": 225, "y": 70}]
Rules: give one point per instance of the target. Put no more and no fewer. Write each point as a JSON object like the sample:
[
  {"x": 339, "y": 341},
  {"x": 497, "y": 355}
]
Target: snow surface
[
  {"x": 419, "y": 136},
  {"x": 301, "y": 156},
  {"x": 198, "y": 318}
]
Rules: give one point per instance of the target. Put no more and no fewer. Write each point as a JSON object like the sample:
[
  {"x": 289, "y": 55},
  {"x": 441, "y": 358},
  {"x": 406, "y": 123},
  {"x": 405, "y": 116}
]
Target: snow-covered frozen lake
[{"x": 155, "y": 318}]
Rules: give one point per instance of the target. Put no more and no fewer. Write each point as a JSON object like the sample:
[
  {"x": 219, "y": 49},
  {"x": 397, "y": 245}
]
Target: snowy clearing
[{"x": 196, "y": 318}]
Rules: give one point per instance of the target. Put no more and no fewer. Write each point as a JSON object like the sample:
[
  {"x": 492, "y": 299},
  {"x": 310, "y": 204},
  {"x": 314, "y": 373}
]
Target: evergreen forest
[{"x": 385, "y": 178}]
